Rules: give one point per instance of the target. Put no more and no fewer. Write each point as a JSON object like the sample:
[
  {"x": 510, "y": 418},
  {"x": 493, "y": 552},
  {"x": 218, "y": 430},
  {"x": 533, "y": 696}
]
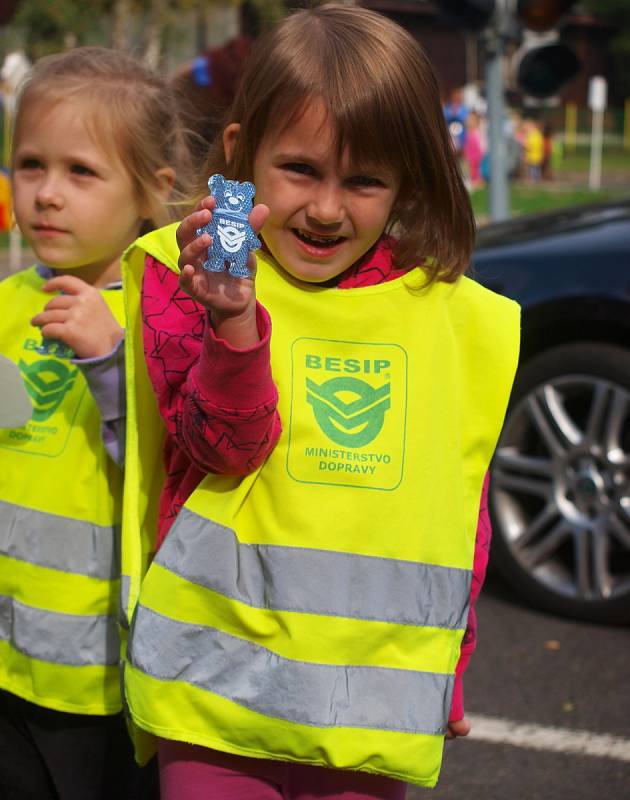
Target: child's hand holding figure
[
  {"x": 78, "y": 317},
  {"x": 231, "y": 301}
]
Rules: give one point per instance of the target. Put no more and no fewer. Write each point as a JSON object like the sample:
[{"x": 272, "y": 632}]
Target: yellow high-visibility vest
[
  {"x": 314, "y": 610},
  {"x": 60, "y": 514}
]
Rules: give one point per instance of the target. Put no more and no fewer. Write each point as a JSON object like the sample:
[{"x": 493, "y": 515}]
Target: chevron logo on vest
[
  {"x": 350, "y": 424},
  {"x": 47, "y": 381},
  {"x": 347, "y": 414}
]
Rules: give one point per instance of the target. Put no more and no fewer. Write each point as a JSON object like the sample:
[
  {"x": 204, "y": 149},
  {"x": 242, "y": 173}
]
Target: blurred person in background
[
  {"x": 456, "y": 113},
  {"x": 534, "y": 149},
  {"x": 205, "y": 89},
  {"x": 546, "y": 167},
  {"x": 473, "y": 150}
]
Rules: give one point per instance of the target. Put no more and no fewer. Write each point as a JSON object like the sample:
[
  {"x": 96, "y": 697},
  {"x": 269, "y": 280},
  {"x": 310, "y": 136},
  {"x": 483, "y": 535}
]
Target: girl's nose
[
  {"x": 48, "y": 194},
  {"x": 326, "y": 205}
]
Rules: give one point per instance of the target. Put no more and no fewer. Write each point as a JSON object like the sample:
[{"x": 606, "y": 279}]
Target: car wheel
[{"x": 560, "y": 489}]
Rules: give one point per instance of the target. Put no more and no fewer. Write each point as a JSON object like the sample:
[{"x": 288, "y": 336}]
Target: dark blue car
[{"x": 560, "y": 496}]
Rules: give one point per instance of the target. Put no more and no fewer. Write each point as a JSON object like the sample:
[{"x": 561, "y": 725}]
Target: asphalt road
[{"x": 542, "y": 681}]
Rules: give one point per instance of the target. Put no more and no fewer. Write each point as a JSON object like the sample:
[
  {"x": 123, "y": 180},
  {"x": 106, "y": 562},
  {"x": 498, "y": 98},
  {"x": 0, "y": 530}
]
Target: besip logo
[
  {"x": 349, "y": 410},
  {"x": 47, "y": 382}
]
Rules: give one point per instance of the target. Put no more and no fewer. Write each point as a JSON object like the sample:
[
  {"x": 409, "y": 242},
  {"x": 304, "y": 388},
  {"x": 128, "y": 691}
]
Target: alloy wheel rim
[{"x": 561, "y": 487}]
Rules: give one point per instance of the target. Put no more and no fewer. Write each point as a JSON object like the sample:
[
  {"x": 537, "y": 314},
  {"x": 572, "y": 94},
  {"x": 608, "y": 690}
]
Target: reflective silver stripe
[
  {"x": 49, "y": 540},
  {"x": 324, "y": 695},
  {"x": 315, "y": 581},
  {"x": 70, "y": 639}
]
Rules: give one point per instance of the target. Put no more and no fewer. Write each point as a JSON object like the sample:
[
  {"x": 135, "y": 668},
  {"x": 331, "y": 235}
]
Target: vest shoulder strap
[{"x": 161, "y": 244}]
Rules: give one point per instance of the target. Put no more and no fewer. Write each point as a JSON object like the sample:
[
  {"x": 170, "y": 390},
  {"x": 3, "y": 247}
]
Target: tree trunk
[
  {"x": 153, "y": 33},
  {"x": 122, "y": 24}
]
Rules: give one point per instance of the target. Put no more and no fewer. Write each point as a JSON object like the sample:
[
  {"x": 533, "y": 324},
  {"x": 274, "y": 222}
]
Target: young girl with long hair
[
  {"x": 97, "y": 150},
  {"x": 322, "y": 527}
]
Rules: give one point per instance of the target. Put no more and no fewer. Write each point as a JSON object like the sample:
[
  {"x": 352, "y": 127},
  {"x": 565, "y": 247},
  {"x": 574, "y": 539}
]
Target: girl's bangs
[
  {"x": 359, "y": 122},
  {"x": 361, "y": 129}
]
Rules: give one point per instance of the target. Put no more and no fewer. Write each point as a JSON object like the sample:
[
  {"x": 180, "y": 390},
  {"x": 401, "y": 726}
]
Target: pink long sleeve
[
  {"x": 469, "y": 643},
  {"x": 218, "y": 403}
]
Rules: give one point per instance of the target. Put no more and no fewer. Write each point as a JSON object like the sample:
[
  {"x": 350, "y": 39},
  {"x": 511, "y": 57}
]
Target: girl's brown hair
[
  {"x": 382, "y": 97},
  {"x": 132, "y": 114}
]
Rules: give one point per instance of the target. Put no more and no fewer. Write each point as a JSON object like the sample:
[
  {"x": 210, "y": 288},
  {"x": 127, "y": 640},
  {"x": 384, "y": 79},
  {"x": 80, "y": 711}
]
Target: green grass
[
  {"x": 613, "y": 159},
  {"x": 530, "y": 199},
  {"x": 569, "y": 186}
]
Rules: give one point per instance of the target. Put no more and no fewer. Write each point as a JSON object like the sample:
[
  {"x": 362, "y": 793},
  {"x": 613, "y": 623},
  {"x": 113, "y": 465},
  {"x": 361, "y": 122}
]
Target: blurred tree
[
  {"x": 138, "y": 26},
  {"x": 148, "y": 40},
  {"x": 159, "y": 15},
  {"x": 617, "y": 13},
  {"x": 122, "y": 17},
  {"x": 266, "y": 12},
  {"x": 52, "y": 25}
]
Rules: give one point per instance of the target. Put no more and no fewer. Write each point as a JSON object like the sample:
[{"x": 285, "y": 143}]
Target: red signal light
[{"x": 542, "y": 15}]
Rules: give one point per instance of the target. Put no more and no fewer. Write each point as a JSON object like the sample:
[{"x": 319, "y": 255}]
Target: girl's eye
[
  {"x": 81, "y": 169},
  {"x": 30, "y": 163},
  {"x": 299, "y": 168},
  {"x": 365, "y": 181}
]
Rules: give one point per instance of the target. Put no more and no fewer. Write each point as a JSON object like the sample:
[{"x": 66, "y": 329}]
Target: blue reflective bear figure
[{"x": 232, "y": 235}]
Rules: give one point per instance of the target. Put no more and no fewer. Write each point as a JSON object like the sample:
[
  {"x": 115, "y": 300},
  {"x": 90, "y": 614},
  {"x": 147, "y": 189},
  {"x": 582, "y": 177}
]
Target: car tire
[{"x": 560, "y": 484}]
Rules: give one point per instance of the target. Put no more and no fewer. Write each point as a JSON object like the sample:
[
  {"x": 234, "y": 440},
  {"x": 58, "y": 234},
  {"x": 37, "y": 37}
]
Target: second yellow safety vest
[
  {"x": 60, "y": 513},
  {"x": 314, "y": 610}
]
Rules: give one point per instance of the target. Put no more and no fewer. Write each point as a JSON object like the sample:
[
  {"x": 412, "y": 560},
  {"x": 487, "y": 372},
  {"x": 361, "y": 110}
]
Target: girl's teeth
[{"x": 325, "y": 240}]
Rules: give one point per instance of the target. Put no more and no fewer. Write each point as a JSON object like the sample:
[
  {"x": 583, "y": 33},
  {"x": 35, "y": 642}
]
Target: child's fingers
[
  {"x": 55, "y": 330},
  {"x": 258, "y": 216},
  {"x": 69, "y": 284},
  {"x": 195, "y": 252},
  {"x": 194, "y": 249},
  {"x": 187, "y": 228},
  {"x": 60, "y": 301},
  {"x": 48, "y": 317},
  {"x": 207, "y": 202},
  {"x": 257, "y": 219},
  {"x": 458, "y": 728},
  {"x": 187, "y": 273},
  {"x": 187, "y": 280},
  {"x": 252, "y": 264}
]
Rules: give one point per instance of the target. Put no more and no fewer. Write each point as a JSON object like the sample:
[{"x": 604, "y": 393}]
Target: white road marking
[{"x": 558, "y": 740}]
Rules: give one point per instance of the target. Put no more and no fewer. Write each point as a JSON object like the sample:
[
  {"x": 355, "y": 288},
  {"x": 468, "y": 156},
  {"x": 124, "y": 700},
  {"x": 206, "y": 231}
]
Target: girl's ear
[
  {"x": 164, "y": 182},
  {"x": 230, "y": 136}
]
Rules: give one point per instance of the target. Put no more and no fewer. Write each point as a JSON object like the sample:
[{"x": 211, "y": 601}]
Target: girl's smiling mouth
[{"x": 317, "y": 241}]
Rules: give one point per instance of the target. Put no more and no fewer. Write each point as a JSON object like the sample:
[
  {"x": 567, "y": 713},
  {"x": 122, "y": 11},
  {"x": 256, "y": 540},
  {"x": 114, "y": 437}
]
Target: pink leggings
[{"x": 189, "y": 772}]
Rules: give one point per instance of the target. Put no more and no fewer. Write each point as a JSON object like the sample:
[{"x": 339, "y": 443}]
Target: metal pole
[
  {"x": 597, "y": 134},
  {"x": 597, "y": 100},
  {"x": 499, "y": 189}
]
